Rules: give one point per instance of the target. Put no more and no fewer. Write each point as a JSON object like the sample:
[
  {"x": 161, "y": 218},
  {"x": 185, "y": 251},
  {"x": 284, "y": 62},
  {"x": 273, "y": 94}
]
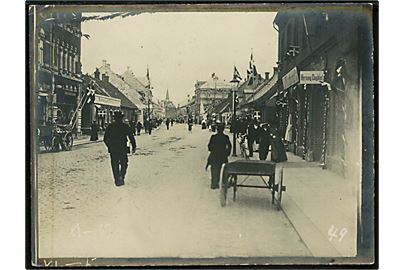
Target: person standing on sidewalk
[
  {"x": 252, "y": 135},
  {"x": 220, "y": 148},
  {"x": 115, "y": 138},
  {"x": 94, "y": 132},
  {"x": 278, "y": 153},
  {"x": 138, "y": 128},
  {"x": 264, "y": 141}
]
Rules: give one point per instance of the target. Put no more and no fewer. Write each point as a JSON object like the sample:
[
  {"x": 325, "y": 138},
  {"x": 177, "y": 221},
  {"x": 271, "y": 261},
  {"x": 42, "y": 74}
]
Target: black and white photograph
[{"x": 185, "y": 134}]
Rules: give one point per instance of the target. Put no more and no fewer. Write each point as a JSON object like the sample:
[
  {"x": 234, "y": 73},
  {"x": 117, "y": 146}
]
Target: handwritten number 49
[{"x": 335, "y": 233}]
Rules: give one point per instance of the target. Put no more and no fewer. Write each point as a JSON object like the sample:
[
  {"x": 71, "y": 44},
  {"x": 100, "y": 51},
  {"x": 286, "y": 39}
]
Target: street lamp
[{"x": 235, "y": 83}]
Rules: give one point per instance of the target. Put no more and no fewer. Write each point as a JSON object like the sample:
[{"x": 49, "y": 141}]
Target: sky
[{"x": 181, "y": 48}]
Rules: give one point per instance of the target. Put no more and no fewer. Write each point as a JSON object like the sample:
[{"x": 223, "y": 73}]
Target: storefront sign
[
  {"x": 311, "y": 77},
  {"x": 104, "y": 100},
  {"x": 290, "y": 78}
]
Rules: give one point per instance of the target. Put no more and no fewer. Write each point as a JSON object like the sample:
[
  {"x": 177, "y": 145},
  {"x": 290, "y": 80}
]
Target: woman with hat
[{"x": 220, "y": 148}]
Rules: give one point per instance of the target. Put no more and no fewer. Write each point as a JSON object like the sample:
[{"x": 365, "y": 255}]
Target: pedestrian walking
[
  {"x": 138, "y": 128},
  {"x": 171, "y": 122},
  {"x": 133, "y": 127},
  {"x": 264, "y": 141},
  {"x": 115, "y": 138},
  {"x": 167, "y": 123},
  {"x": 190, "y": 124},
  {"x": 220, "y": 148},
  {"x": 94, "y": 131}
]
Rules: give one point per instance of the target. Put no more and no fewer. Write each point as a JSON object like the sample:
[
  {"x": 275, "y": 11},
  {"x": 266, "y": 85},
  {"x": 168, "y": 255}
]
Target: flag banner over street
[{"x": 150, "y": 148}]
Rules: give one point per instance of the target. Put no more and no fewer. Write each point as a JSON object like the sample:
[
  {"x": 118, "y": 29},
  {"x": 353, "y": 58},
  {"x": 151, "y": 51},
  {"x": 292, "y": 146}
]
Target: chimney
[
  {"x": 267, "y": 75},
  {"x": 105, "y": 77},
  {"x": 104, "y": 63},
  {"x": 275, "y": 70},
  {"x": 97, "y": 74}
]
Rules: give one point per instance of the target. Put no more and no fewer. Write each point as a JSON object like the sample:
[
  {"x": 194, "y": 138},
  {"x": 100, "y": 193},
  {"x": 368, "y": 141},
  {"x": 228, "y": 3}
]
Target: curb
[{"x": 307, "y": 231}]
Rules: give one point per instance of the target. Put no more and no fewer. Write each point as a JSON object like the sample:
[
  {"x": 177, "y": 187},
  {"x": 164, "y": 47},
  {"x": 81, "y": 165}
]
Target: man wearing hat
[
  {"x": 116, "y": 137},
  {"x": 220, "y": 148}
]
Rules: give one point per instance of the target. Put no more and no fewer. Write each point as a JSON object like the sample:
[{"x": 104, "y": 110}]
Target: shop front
[{"x": 101, "y": 111}]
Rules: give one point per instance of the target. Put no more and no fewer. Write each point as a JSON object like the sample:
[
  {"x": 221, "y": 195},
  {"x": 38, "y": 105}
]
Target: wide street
[{"x": 166, "y": 208}]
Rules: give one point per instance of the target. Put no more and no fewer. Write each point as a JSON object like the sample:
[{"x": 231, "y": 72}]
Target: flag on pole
[
  {"x": 236, "y": 74},
  {"x": 147, "y": 77}
]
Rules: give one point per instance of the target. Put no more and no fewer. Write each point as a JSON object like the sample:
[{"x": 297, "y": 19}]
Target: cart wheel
[
  {"x": 273, "y": 187},
  {"x": 235, "y": 184},
  {"x": 68, "y": 141},
  {"x": 224, "y": 186},
  {"x": 55, "y": 144},
  {"x": 280, "y": 190}
]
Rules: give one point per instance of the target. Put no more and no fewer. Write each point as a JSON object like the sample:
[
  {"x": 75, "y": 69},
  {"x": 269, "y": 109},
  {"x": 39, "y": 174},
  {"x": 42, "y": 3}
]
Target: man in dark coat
[
  {"x": 252, "y": 135},
  {"x": 220, "y": 148},
  {"x": 264, "y": 141},
  {"x": 115, "y": 138},
  {"x": 138, "y": 128},
  {"x": 167, "y": 123},
  {"x": 190, "y": 124},
  {"x": 94, "y": 132}
]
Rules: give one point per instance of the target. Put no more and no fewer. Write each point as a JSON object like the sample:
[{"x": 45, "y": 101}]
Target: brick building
[{"x": 57, "y": 48}]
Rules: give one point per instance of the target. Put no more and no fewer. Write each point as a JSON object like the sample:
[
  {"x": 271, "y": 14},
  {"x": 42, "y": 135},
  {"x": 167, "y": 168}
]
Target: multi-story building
[
  {"x": 326, "y": 79},
  {"x": 58, "y": 67},
  {"x": 208, "y": 94}
]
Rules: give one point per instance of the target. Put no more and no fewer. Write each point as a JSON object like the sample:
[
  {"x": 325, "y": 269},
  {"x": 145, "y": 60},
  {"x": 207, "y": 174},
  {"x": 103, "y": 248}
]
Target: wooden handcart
[{"x": 264, "y": 169}]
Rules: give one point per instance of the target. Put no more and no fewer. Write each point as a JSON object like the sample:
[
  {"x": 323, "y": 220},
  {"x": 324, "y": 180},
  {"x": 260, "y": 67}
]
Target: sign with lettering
[
  {"x": 109, "y": 101},
  {"x": 290, "y": 78},
  {"x": 312, "y": 77}
]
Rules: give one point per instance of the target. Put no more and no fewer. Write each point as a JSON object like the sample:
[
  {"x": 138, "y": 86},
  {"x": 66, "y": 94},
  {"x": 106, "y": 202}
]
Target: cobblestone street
[{"x": 165, "y": 209}]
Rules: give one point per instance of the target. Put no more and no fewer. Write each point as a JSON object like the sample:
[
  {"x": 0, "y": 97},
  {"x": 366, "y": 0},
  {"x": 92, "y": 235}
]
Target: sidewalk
[{"x": 321, "y": 206}]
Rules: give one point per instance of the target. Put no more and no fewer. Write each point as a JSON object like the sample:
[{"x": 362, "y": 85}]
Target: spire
[{"x": 167, "y": 94}]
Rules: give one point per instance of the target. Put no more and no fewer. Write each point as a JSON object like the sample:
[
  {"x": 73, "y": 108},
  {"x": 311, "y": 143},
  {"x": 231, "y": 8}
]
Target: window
[
  {"x": 72, "y": 65},
  {"x": 68, "y": 60},
  {"x": 60, "y": 56},
  {"x": 46, "y": 53},
  {"x": 55, "y": 55},
  {"x": 65, "y": 59},
  {"x": 41, "y": 52}
]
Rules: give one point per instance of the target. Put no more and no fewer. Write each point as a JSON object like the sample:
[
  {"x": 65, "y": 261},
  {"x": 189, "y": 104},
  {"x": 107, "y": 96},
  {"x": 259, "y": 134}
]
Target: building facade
[
  {"x": 208, "y": 94},
  {"x": 326, "y": 80},
  {"x": 58, "y": 66},
  {"x": 133, "y": 94}
]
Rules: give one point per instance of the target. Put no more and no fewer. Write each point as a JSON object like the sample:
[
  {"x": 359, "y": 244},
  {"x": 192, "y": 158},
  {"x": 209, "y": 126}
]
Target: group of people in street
[{"x": 262, "y": 134}]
